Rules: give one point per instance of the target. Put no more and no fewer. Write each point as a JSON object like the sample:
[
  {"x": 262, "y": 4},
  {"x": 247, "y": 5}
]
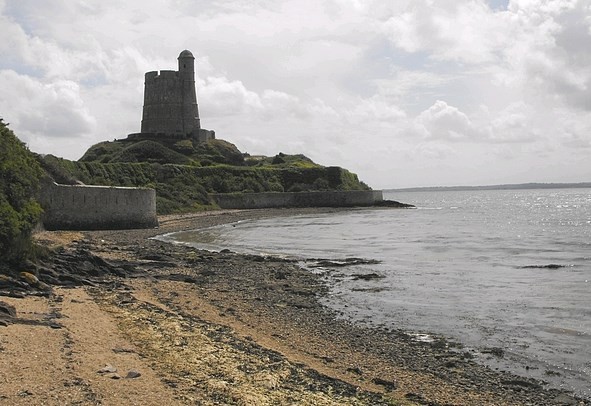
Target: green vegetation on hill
[
  {"x": 282, "y": 160},
  {"x": 185, "y": 188},
  {"x": 20, "y": 175},
  {"x": 184, "y": 172},
  {"x": 165, "y": 151}
]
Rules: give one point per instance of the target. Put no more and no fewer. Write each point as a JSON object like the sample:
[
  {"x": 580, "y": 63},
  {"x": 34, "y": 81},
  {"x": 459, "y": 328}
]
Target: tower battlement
[
  {"x": 170, "y": 102},
  {"x": 161, "y": 75}
]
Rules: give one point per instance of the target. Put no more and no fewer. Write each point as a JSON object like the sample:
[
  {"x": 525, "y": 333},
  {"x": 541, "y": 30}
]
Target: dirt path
[{"x": 52, "y": 353}]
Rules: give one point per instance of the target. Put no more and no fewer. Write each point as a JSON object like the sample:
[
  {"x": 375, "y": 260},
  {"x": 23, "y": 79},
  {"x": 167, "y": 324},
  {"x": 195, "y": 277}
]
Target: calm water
[{"x": 508, "y": 269}]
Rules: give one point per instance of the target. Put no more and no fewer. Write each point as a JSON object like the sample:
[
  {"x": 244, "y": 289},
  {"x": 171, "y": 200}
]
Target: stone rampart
[
  {"x": 357, "y": 198},
  {"x": 97, "y": 207}
]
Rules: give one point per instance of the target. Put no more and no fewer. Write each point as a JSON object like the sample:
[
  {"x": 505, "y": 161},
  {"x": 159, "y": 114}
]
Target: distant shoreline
[{"x": 519, "y": 186}]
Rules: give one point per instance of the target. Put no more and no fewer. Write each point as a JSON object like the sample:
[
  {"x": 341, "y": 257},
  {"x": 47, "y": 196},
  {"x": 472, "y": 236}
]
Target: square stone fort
[{"x": 170, "y": 104}]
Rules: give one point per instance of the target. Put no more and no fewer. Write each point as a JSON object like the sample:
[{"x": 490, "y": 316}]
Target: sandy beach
[{"x": 132, "y": 320}]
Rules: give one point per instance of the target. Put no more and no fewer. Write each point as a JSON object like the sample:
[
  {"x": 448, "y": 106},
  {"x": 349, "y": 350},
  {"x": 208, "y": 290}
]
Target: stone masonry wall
[
  {"x": 298, "y": 199},
  {"x": 163, "y": 103},
  {"x": 97, "y": 207}
]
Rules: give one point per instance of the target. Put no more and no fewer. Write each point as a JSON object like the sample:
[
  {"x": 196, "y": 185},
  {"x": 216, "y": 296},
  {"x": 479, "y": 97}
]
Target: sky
[{"x": 404, "y": 93}]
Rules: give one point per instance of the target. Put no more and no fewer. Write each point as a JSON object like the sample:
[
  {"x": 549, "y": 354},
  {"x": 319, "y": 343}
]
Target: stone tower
[{"x": 170, "y": 103}]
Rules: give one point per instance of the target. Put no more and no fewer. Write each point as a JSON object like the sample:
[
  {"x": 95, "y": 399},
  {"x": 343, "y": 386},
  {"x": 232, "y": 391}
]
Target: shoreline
[{"x": 251, "y": 330}]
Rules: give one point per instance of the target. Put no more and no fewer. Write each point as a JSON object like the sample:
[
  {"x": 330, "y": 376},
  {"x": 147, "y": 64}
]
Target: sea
[{"x": 504, "y": 273}]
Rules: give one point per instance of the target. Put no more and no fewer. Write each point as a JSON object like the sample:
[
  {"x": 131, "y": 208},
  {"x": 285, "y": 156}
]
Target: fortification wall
[
  {"x": 97, "y": 207},
  {"x": 361, "y": 198}
]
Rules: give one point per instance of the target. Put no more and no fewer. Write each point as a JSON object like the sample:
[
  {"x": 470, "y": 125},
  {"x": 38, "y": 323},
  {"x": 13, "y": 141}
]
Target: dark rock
[
  {"x": 548, "y": 266},
  {"x": 44, "y": 271},
  {"x": 156, "y": 257},
  {"x": 177, "y": 278},
  {"x": 49, "y": 279},
  {"x": 367, "y": 277},
  {"x": 414, "y": 397},
  {"x": 389, "y": 385},
  {"x": 451, "y": 364},
  {"x": 7, "y": 310},
  {"x": 521, "y": 383},
  {"x": 66, "y": 279},
  {"x": 280, "y": 275},
  {"x": 496, "y": 351},
  {"x": 355, "y": 370},
  {"x": 565, "y": 400},
  {"x": 170, "y": 383},
  {"x": 393, "y": 203},
  {"x": 329, "y": 263},
  {"x": 301, "y": 291},
  {"x": 369, "y": 290},
  {"x": 6, "y": 281},
  {"x": 123, "y": 350},
  {"x": 126, "y": 299},
  {"x": 301, "y": 305},
  {"x": 132, "y": 374},
  {"x": 160, "y": 265}
]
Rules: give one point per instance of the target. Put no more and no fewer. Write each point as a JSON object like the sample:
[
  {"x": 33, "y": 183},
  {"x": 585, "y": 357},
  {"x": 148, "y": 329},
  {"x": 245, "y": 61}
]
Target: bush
[
  {"x": 52, "y": 165},
  {"x": 219, "y": 151},
  {"x": 102, "y": 152},
  {"x": 20, "y": 175},
  {"x": 150, "y": 151}
]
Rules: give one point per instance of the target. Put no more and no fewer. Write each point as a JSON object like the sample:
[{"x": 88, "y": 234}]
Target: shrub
[
  {"x": 219, "y": 151},
  {"x": 150, "y": 151},
  {"x": 20, "y": 175},
  {"x": 184, "y": 147},
  {"x": 102, "y": 152},
  {"x": 53, "y": 167}
]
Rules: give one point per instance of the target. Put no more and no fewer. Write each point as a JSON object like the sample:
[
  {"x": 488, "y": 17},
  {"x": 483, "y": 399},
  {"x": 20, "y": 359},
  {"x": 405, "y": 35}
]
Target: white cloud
[
  {"x": 376, "y": 109},
  {"x": 442, "y": 121},
  {"x": 463, "y": 31},
  {"x": 53, "y": 110},
  {"x": 439, "y": 88},
  {"x": 226, "y": 98}
]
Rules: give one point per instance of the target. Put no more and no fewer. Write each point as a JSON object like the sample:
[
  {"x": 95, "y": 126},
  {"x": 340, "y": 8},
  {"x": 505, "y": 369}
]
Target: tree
[{"x": 20, "y": 176}]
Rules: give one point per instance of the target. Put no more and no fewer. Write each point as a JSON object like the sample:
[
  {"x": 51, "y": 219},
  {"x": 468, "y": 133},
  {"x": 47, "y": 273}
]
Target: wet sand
[{"x": 218, "y": 328}]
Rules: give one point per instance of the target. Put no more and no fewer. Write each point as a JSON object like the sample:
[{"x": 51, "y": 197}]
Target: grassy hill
[
  {"x": 184, "y": 173},
  {"x": 165, "y": 151}
]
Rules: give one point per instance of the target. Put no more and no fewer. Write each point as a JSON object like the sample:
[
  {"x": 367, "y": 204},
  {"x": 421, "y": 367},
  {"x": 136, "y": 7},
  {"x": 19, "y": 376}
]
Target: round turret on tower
[
  {"x": 191, "y": 122},
  {"x": 186, "y": 62}
]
